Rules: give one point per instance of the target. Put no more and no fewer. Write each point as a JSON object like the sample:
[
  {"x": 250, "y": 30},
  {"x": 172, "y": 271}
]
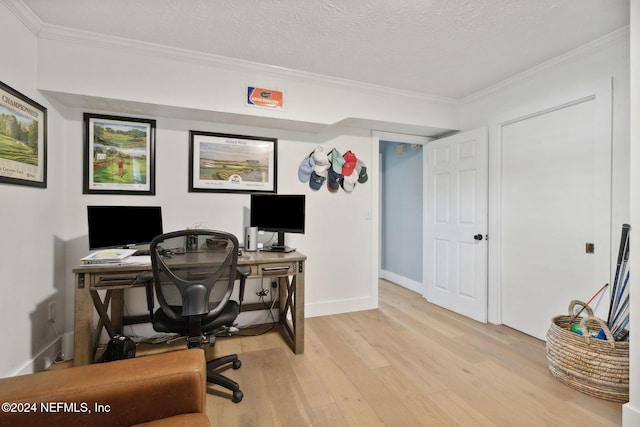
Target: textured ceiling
[{"x": 450, "y": 48}]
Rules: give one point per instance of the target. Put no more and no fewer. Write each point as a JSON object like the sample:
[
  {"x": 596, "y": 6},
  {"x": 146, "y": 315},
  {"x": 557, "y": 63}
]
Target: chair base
[{"x": 214, "y": 376}]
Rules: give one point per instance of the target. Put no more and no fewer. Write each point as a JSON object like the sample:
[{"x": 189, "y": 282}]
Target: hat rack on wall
[{"x": 336, "y": 170}]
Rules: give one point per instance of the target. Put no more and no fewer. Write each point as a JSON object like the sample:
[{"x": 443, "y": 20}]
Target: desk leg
[
  {"x": 117, "y": 310},
  {"x": 292, "y": 304},
  {"x": 83, "y": 322},
  {"x": 298, "y": 329}
]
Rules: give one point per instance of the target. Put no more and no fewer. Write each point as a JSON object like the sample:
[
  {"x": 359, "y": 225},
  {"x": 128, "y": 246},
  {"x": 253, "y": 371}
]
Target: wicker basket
[{"x": 596, "y": 367}]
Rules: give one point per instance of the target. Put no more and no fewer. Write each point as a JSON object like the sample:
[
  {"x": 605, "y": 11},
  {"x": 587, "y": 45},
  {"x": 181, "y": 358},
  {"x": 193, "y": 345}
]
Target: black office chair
[{"x": 194, "y": 272}]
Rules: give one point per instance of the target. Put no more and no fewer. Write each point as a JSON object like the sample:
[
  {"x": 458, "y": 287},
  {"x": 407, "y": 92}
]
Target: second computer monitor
[
  {"x": 280, "y": 213},
  {"x": 122, "y": 226}
]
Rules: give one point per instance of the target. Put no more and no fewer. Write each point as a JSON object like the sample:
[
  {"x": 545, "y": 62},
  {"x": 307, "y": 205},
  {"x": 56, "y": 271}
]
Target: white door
[
  {"x": 456, "y": 223},
  {"x": 555, "y": 200}
]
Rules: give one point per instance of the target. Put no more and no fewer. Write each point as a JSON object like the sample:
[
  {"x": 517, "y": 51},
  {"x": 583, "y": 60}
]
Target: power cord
[
  {"x": 262, "y": 293},
  {"x": 60, "y": 356},
  {"x": 273, "y": 238},
  {"x": 136, "y": 338}
]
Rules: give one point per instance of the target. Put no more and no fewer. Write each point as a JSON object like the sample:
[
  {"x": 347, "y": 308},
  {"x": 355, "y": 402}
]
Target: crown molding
[
  {"x": 86, "y": 38},
  {"x": 591, "y": 47},
  {"x": 25, "y": 15},
  {"x": 136, "y": 47}
]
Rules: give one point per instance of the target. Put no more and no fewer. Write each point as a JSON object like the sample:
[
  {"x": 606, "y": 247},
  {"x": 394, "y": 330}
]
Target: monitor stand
[
  {"x": 276, "y": 248},
  {"x": 280, "y": 246}
]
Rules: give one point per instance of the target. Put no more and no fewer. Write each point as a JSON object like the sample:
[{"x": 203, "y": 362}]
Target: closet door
[{"x": 552, "y": 199}]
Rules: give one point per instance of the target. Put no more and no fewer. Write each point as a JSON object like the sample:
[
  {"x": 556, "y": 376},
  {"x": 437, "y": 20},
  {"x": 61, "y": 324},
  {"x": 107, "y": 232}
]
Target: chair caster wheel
[
  {"x": 237, "y": 364},
  {"x": 237, "y": 396}
]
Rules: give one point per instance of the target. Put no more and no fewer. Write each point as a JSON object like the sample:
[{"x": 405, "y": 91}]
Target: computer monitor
[
  {"x": 281, "y": 213},
  {"x": 123, "y": 226}
]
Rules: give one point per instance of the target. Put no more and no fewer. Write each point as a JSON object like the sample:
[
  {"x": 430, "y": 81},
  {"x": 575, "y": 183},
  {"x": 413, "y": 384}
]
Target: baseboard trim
[
  {"x": 41, "y": 361},
  {"x": 630, "y": 415},
  {"x": 340, "y": 306},
  {"x": 410, "y": 284}
]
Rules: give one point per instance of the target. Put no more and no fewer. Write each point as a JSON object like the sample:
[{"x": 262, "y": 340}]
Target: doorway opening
[{"x": 401, "y": 171}]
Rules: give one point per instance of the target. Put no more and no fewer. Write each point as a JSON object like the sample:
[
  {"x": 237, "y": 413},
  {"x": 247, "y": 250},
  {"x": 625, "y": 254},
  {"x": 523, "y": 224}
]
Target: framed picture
[
  {"x": 119, "y": 155},
  {"x": 23, "y": 139},
  {"x": 220, "y": 162}
]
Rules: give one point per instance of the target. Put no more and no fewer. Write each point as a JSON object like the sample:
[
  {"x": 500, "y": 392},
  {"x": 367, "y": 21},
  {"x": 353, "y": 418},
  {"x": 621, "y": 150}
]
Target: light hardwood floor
[{"x": 408, "y": 363}]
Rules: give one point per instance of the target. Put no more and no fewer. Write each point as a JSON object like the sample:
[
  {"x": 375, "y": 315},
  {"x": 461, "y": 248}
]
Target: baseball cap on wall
[
  {"x": 337, "y": 161},
  {"x": 349, "y": 182},
  {"x": 320, "y": 157},
  {"x": 361, "y": 168},
  {"x": 321, "y": 161},
  {"x": 316, "y": 181},
  {"x": 333, "y": 180},
  {"x": 305, "y": 169},
  {"x": 349, "y": 163}
]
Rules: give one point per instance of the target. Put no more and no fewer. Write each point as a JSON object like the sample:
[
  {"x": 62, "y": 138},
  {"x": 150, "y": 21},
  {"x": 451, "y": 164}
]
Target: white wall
[
  {"x": 32, "y": 247},
  {"x": 631, "y": 411}
]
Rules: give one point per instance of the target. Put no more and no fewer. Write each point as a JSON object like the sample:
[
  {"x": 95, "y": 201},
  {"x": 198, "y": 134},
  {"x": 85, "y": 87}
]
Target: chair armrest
[
  {"x": 146, "y": 277},
  {"x": 120, "y": 393},
  {"x": 243, "y": 271}
]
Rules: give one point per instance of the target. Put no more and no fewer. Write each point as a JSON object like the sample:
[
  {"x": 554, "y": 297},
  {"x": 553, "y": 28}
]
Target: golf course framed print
[
  {"x": 23, "y": 139},
  {"x": 221, "y": 162},
  {"x": 119, "y": 155}
]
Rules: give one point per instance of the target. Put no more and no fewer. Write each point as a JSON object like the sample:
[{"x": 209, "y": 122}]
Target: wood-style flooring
[{"x": 407, "y": 363}]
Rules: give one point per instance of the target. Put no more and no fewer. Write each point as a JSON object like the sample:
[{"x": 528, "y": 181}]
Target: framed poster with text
[
  {"x": 23, "y": 139},
  {"x": 232, "y": 163}
]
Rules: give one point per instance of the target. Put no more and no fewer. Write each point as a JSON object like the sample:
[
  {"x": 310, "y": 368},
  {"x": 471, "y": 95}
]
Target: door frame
[
  {"x": 374, "y": 179},
  {"x": 601, "y": 92}
]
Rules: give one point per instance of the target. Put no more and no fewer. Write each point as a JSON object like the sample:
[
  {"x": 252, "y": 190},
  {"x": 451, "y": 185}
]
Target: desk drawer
[
  {"x": 108, "y": 280},
  {"x": 276, "y": 269}
]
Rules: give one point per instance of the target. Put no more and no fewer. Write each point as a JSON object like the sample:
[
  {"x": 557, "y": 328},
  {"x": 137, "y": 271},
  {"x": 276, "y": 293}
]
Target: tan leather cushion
[{"x": 129, "y": 392}]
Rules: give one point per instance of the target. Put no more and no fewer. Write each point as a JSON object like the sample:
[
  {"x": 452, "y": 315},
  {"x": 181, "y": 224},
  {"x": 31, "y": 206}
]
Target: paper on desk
[{"x": 137, "y": 260}]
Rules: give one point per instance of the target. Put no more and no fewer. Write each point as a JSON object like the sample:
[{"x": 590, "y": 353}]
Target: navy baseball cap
[
  {"x": 316, "y": 181},
  {"x": 333, "y": 180}
]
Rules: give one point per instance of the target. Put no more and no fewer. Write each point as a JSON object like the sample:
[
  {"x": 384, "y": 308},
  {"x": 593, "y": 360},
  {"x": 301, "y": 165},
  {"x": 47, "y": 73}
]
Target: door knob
[{"x": 478, "y": 237}]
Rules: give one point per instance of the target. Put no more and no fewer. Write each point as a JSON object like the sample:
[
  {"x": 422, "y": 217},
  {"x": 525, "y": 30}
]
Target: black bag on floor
[{"x": 120, "y": 347}]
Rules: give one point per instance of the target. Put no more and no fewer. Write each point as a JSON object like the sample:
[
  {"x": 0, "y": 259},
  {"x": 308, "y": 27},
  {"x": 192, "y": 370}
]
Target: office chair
[{"x": 194, "y": 272}]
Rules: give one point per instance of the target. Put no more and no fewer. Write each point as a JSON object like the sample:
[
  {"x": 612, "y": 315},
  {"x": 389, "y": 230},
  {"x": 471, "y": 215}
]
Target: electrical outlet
[{"x": 52, "y": 310}]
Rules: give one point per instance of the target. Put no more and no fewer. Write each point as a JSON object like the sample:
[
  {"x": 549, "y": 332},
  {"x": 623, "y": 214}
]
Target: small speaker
[{"x": 251, "y": 238}]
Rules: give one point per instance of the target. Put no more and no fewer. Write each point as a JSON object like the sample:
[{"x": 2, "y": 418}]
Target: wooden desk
[{"x": 287, "y": 268}]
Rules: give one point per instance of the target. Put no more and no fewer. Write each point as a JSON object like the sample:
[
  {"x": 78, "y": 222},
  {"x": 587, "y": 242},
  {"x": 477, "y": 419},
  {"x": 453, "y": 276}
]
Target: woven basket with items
[{"x": 597, "y": 367}]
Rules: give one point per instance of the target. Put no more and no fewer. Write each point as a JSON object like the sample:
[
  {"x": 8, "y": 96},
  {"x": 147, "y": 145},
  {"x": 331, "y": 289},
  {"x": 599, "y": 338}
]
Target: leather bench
[{"x": 159, "y": 390}]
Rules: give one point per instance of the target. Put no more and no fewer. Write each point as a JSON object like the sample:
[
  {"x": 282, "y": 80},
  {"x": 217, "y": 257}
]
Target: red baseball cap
[{"x": 350, "y": 160}]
